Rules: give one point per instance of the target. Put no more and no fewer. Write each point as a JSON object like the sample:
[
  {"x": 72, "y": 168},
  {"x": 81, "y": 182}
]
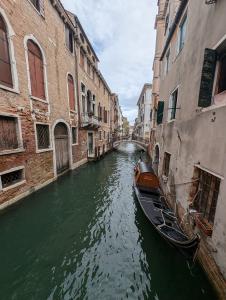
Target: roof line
[{"x": 174, "y": 26}]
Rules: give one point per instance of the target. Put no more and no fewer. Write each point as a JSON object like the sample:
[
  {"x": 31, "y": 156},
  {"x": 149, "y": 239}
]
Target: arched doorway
[
  {"x": 156, "y": 160},
  {"x": 61, "y": 147}
]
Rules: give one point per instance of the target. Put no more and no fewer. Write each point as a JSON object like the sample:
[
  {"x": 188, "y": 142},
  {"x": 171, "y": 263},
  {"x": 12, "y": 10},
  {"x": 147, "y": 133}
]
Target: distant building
[
  {"x": 143, "y": 124},
  {"x": 126, "y": 127}
]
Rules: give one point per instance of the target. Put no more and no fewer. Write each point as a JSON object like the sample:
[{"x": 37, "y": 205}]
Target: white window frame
[
  {"x": 75, "y": 108},
  {"x": 32, "y": 38},
  {"x": 13, "y": 185},
  {"x": 36, "y": 138},
  {"x": 170, "y": 105},
  {"x": 19, "y": 135},
  {"x": 183, "y": 22},
  {"x": 10, "y": 36},
  {"x": 73, "y": 144}
]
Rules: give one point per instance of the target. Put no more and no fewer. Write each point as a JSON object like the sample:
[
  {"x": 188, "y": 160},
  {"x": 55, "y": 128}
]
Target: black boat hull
[{"x": 164, "y": 221}]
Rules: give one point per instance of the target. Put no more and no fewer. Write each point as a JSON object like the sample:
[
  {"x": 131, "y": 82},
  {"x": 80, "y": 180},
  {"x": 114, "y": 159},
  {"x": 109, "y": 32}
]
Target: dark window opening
[
  {"x": 36, "y": 4},
  {"x": 74, "y": 135},
  {"x": 8, "y": 133},
  {"x": 82, "y": 58},
  {"x": 221, "y": 80},
  {"x": 166, "y": 164},
  {"x": 11, "y": 178},
  {"x": 69, "y": 39},
  {"x": 43, "y": 136}
]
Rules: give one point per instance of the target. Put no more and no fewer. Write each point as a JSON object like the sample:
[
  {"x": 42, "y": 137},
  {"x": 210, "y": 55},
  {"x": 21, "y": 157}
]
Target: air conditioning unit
[{"x": 210, "y": 1}]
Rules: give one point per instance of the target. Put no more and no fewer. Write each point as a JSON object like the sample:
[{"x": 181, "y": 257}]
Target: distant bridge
[{"x": 141, "y": 144}]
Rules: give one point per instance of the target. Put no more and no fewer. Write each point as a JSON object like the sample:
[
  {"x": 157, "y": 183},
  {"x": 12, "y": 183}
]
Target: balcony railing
[{"x": 89, "y": 120}]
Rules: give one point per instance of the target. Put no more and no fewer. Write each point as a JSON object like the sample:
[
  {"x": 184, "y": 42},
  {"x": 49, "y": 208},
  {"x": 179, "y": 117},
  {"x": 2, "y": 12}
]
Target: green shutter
[
  {"x": 160, "y": 112},
  {"x": 207, "y": 79}
]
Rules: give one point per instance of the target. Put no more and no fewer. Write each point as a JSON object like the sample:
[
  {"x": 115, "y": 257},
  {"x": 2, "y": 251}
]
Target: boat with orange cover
[{"x": 156, "y": 209}]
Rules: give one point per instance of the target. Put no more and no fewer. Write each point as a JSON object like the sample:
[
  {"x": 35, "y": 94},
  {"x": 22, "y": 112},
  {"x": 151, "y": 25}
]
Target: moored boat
[{"x": 156, "y": 209}]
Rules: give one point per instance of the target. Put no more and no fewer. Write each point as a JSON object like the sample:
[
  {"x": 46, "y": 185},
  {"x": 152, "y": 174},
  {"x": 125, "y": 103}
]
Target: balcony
[{"x": 90, "y": 121}]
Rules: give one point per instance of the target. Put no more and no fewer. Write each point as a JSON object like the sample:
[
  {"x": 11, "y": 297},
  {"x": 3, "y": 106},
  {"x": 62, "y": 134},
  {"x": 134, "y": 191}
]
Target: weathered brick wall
[{"x": 50, "y": 34}]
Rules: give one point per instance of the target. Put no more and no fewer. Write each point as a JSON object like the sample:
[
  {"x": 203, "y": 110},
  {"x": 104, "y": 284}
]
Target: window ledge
[
  {"x": 73, "y": 111},
  {"x": 171, "y": 121},
  {"x": 76, "y": 144},
  {"x": 13, "y": 186},
  {"x": 39, "y": 99},
  {"x": 12, "y": 90},
  {"x": 6, "y": 152},
  {"x": 44, "y": 150},
  {"x": 209, "y": 108}
]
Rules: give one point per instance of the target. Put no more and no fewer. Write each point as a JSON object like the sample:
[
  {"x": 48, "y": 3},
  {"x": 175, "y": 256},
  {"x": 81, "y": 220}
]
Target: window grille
[
  {"x": 208, "y": 190},
  {"x": 11, "y": 178},
  {"x": 43, "y": 136}
]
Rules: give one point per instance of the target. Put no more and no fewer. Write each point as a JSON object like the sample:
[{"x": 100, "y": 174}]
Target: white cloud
[{"x": 123, "y": 36}]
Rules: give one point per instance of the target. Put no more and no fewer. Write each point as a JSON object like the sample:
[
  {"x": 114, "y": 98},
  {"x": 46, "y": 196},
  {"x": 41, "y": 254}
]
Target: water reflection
[{"x": 85, "y": 237}]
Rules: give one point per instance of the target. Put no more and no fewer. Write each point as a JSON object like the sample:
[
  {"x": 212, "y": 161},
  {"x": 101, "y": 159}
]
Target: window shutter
[
  {"x": 41, "y": 5},
  {"x": 207, "y": 78},
  {"x": 160, "y": 111},
  {"x": 71, "y": 92},
  {"x": 5, "y": 65},
  {"x": 36, "y": 70}
]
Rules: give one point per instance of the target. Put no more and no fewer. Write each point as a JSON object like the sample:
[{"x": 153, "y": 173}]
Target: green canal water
[{"x": 85, "y": 237}]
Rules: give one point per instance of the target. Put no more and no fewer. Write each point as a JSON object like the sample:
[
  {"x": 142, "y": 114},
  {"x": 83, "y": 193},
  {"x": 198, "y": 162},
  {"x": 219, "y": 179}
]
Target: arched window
[
  {"x": 36, "y": 69},
  {"x": 71, "y": 92},
  {"x": 5, "y": 64}
]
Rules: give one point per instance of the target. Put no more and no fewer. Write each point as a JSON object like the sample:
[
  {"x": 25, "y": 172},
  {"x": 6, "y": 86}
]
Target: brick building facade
[{"x": 55, "y": 104}]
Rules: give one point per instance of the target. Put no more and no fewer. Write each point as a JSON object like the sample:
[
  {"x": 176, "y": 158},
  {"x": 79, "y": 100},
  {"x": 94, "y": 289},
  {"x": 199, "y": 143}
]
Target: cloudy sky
[{"x": 123, "y": 36}]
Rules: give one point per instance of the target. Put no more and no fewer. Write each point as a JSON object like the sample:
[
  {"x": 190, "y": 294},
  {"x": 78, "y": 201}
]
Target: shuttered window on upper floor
[
  {"x": 71, "y": 92},
  {"x": 69, "y": 39},
  {"x": 39, "y": 5},
  {"x": 36, "y": 69},
  {"x": 5, "y": 64}
]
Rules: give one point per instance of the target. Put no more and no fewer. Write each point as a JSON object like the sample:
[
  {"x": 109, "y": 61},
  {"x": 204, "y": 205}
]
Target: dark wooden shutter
[
  {"x": 5, "y": 65},
  {"x": 207, "y": 79},
  {"x": 8, "y": 133},
  {"x": 71, "y": 92},
  {"x": 160, "y": 112},
  {"x": 36, "y": 69}
]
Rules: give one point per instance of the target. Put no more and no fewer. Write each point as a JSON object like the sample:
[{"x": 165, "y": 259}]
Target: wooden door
[{"x": 61, "y": 147}]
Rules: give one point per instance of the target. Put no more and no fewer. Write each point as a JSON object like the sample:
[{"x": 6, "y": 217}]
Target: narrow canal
[{"x": 85, "y": 237}]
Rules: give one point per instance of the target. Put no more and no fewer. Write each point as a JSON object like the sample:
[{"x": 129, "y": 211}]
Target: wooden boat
[{"x": 154, "y": 206}]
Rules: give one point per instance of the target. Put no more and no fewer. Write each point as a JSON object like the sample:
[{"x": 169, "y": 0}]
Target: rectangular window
[
  {"x": 88, "y": 68},
  {"x": 69, "y": 39},
  {"x": 104, "y": 135},
  {"x": 100, "y": 135},
  {"x": 43, "y": 140},
  {"x": 172, "y": 105},
  {"x": 207, "y": 195},
  {"x": 182, "y": 33},
  {"x": 167, "y": 62},
  {"x": 11, "y": 178},
  {"x": 74, "y": 135},
  {"x": 8, "y": 133},
  {"x": 82, "y": 59},
  {"x": 36, "y": 4},
  {"x": 166, "y": 164}
]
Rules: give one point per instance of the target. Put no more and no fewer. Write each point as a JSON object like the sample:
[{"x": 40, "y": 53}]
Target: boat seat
[{"x": 153, "y": 214}]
